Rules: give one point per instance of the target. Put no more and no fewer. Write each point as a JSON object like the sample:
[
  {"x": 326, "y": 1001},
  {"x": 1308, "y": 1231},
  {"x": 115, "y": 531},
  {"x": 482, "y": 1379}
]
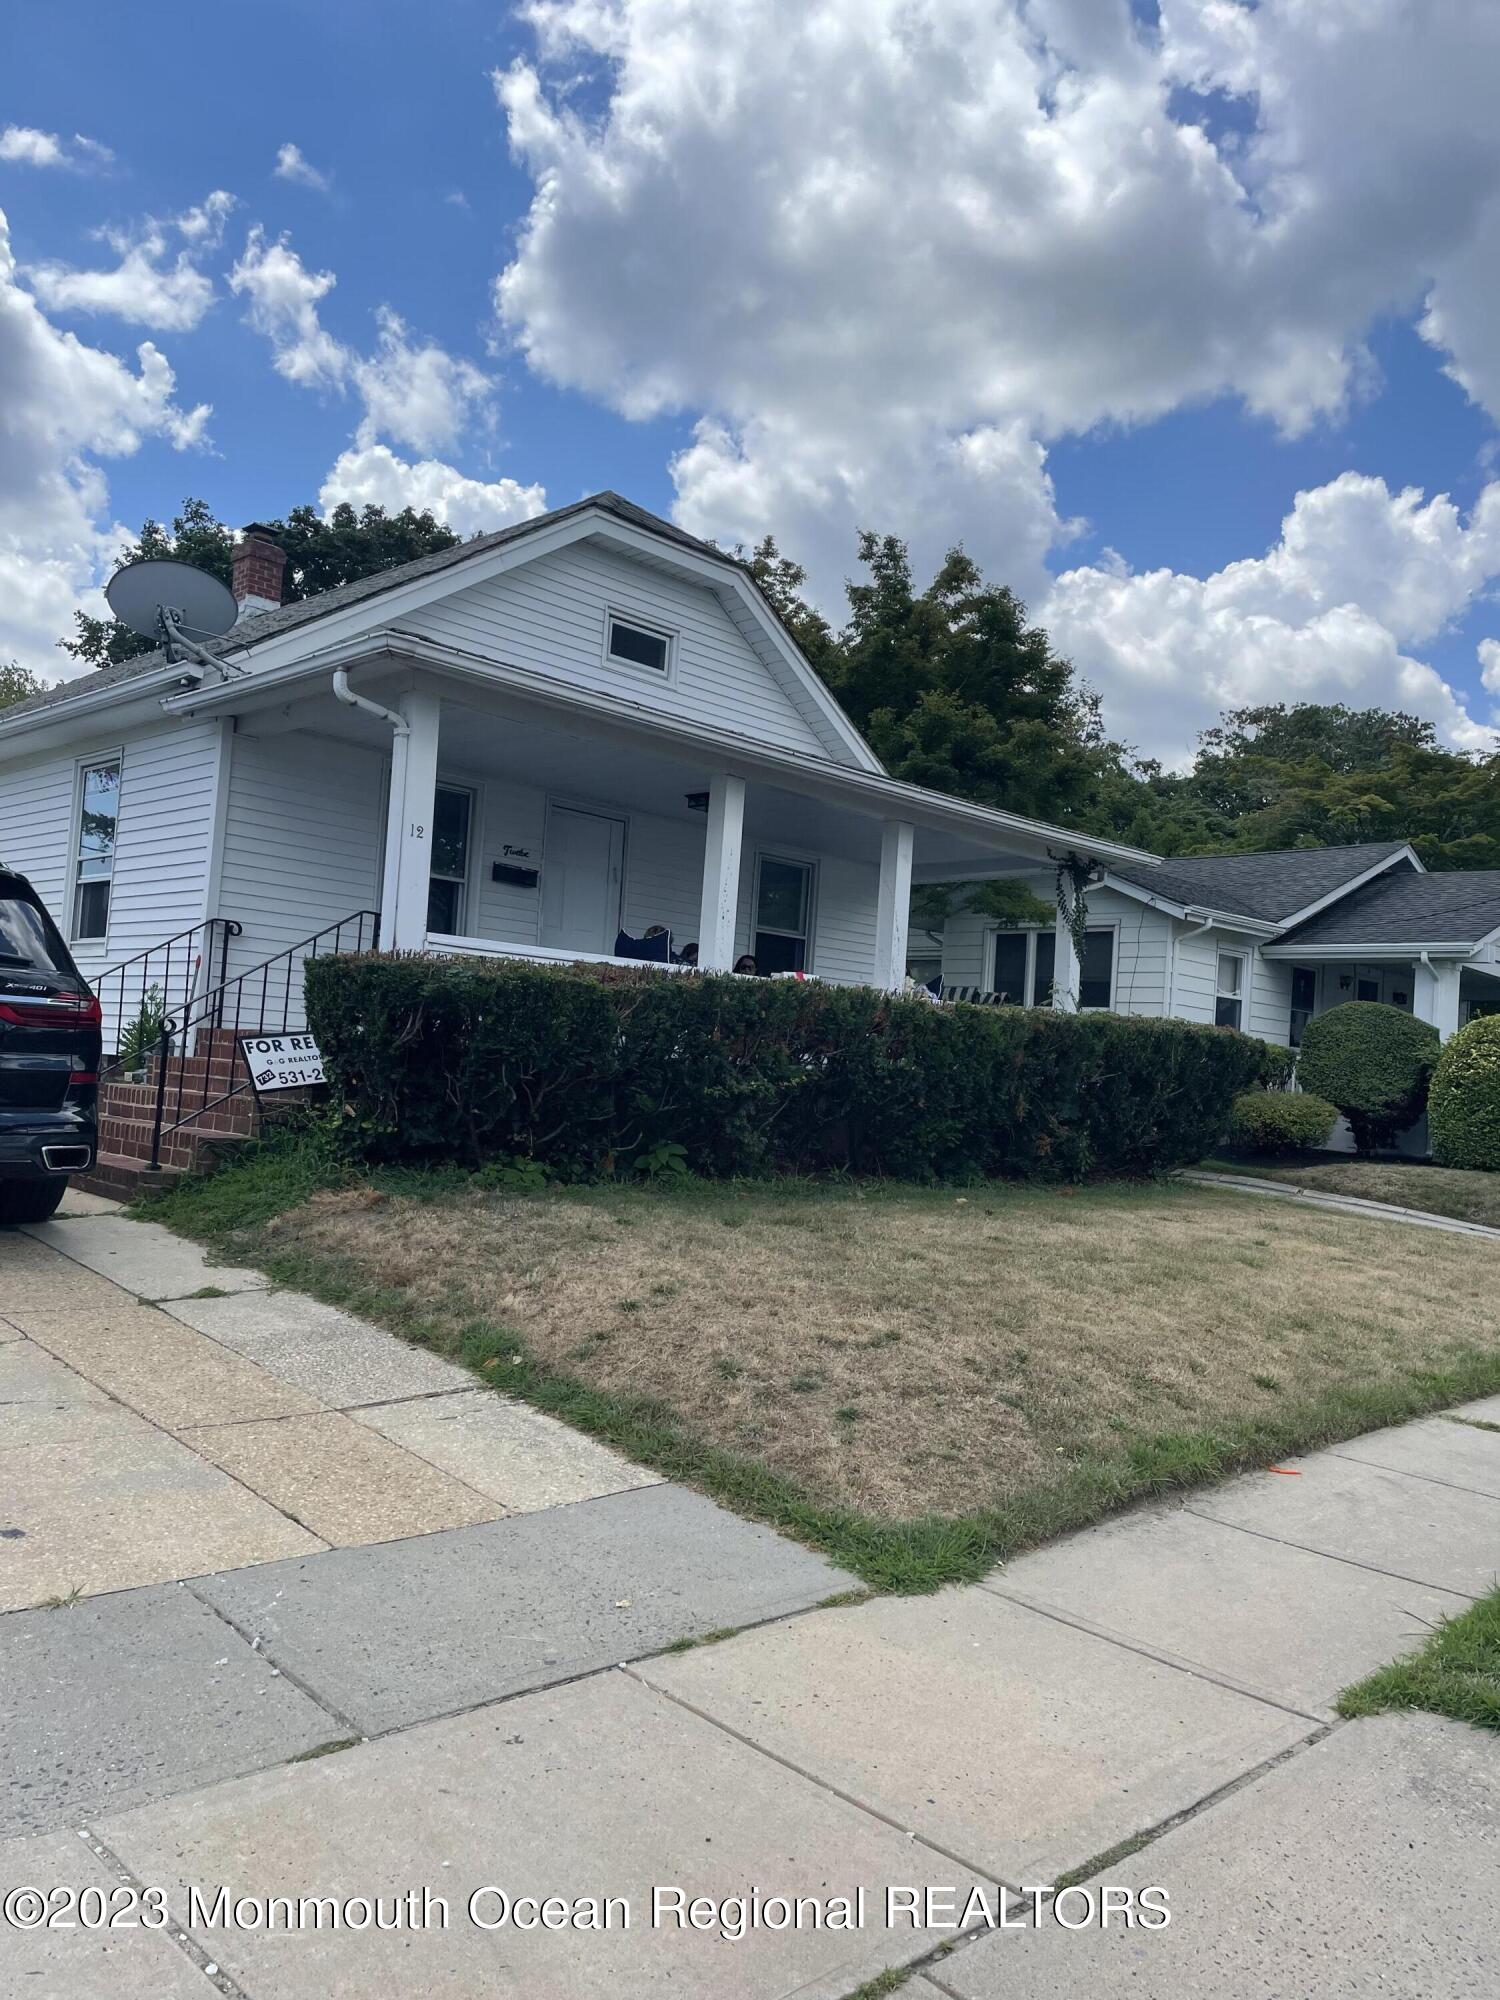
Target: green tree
[
  {"x": 321, "y": 554},
  {"x": 18, "y": 683},
  {"x": 781, "y": 580},
  {"x": 957, "y": 692}
]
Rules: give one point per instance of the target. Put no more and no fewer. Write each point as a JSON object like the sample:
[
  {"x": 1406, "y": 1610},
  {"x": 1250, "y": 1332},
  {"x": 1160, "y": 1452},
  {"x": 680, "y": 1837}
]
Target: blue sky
[{"x": 1099, "y": 289}]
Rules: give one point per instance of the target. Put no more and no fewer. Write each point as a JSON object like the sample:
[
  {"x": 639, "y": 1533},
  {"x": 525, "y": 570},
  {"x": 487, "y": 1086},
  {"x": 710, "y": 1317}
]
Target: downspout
[
  {"x": 400, "y": 736},
  {"x": 1206, "y": 925}
]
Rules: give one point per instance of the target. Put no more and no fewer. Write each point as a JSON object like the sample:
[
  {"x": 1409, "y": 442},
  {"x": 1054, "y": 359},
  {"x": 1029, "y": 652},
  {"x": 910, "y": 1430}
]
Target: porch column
[
  {"x": 408, "y": 832},
  {"x": 719, "y": 911},
  {"x": 893, "y": 907},
  {"x": 1067, "y": 974},
  {"x": 1434, "y": 995}
]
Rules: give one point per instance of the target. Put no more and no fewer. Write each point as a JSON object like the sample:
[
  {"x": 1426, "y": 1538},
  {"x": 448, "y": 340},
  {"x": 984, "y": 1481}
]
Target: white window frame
[
  {"x": 663, "y": 676},
  {"x": 806, "y": 861},
  {"x": 1242, "y": 997},
  {"x": 466, "y": 880},
  {"x": 1031, "y": 932},
  {"x": 82, "y": 765}
]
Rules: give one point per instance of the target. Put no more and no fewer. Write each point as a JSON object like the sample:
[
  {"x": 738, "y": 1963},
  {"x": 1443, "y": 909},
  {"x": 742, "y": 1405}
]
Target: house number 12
[{"x": 418, "y": 831}]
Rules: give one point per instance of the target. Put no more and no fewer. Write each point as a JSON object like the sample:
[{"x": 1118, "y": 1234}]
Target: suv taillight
[{"x": 52, "y": 1010}]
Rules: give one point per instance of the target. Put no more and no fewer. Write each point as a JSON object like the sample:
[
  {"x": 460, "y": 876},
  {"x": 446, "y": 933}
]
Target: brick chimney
[{"x": 258, "y": 566}]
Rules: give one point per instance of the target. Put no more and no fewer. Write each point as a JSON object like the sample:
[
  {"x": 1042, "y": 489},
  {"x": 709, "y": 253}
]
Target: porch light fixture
[
  {"x": 1346, "y": 980},
  {"x": 697, "y": 802}
]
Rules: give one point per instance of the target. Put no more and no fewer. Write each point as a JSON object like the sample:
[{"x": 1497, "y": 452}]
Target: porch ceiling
[{"x": 500, "y": 732}]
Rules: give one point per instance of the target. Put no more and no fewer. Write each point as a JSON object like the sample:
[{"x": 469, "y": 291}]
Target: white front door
[{"x": 581, "y": 866}]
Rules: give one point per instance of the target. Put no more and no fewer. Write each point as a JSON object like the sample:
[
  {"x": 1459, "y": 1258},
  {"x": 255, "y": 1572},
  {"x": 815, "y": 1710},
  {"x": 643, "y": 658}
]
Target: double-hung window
[
  {"x": 1025, "y": 966},
  {"x": 452, "y": 813},
  {"x": 783, "y": 914},
  {"x": 1229, "y": 990},
  {"x": 94, "y": 849}
]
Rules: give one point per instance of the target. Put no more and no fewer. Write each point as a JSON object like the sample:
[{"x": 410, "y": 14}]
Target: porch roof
[{"x": 960, "y": 836}]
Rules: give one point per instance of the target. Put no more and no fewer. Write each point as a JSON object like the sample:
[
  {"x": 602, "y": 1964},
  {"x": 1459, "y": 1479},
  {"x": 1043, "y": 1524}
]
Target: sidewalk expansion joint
[
  {"x": 180, "y": 1938},
  {"x": 977, "y": 1870},
  {"x": 1353, "y": 1562},
  {"x": 1193, "y": 1668},
  {"x": 258, "y": 1646},
  {"x": 1405, "y": 1472}
]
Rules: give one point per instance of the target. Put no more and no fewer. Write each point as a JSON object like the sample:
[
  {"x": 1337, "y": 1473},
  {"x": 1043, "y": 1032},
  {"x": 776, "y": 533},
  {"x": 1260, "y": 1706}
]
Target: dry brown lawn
[{"x": 905, "y": 1351}]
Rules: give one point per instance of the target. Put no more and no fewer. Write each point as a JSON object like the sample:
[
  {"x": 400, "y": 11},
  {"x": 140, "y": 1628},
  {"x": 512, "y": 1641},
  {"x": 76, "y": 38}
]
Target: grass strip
[
  {"x": 903, "y": 1556},
  {"x": 1456, "y": 1673}
]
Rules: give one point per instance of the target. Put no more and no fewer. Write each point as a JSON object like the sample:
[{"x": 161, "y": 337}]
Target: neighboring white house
[
  {"x": 587, "y": 724},
  {"x": 1258, "y": 941}
]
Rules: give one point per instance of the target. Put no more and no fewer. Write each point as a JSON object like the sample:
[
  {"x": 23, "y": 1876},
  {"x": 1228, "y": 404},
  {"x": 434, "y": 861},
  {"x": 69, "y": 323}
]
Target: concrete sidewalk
[{"x": 397, "y": 1701}]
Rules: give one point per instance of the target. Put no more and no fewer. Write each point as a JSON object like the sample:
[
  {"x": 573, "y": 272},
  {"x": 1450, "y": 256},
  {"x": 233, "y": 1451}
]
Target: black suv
[{"x": 50, "y": 1048}]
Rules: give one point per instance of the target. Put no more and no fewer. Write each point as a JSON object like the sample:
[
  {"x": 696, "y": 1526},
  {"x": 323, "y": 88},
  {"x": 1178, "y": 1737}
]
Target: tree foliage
[
  {"x": 18, "y": 683},
  {"x": 321, "y": 554}
]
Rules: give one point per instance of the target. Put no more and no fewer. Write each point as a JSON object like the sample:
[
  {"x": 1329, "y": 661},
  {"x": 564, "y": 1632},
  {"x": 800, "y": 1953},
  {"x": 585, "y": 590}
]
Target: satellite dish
[{"x": 171, "y": 602}]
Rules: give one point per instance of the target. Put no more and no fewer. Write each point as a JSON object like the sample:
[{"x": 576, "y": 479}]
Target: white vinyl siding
[
  {"x": 549, "y": 617},
  {"x": 162, "y": 840},
  {"x": 1270, "y": 1010},
  {"x": 36, "y": 826},
  {"x": 302, "y": 840},
  {"x": 1142, "y": 943}
]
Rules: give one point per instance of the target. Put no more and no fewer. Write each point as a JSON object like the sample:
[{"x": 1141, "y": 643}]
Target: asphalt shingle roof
[
  {"x": 1267, "y": 887},
  {"x": 270, "y": 624},
  {"x": 1457, "y": 907}
]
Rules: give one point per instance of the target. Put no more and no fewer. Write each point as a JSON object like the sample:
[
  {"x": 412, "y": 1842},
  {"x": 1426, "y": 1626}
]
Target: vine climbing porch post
[{"x": 1072, "y": 917}]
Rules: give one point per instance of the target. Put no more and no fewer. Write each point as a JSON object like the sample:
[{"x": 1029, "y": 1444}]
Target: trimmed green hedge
[
  {"x": 1463, "y": 1110},
  {"x": 586, "y": 1069},
  {"x": 1278, "y": 1121},
  {"x": 1374, "y": 1063}
]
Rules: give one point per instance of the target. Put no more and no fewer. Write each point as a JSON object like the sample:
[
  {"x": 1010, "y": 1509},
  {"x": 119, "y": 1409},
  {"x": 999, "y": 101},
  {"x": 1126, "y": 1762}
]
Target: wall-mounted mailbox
[{"x": 518, "y": 878}]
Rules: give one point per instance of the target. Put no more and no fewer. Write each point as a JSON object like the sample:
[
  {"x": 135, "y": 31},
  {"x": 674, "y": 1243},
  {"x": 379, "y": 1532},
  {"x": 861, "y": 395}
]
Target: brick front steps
[{"x": 127, "y": 1113}]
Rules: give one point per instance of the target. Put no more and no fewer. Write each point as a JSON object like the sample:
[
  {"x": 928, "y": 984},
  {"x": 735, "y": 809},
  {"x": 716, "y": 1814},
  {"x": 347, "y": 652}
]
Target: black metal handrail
[
  {"x": 132, "y": 982},
  {"x": 259, "y": 1001}
]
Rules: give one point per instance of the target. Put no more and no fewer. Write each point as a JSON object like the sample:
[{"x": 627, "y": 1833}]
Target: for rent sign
[{"x": 282, "y": 1062}]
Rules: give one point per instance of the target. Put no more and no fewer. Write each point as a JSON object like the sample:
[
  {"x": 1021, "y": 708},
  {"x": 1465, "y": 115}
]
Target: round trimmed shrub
[
  {"x": 1463, "y": 1111},
  {"x": 1374, "y": 1062},
  {"x": 1280, "y": 1121}
]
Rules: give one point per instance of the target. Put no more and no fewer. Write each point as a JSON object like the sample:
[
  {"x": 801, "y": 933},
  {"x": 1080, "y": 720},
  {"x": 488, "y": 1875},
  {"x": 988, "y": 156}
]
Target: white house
[
  {"x": 592, "y": 724},
  {"x": 585, "y": 725},
  {"x": 1257, "y": 941}
]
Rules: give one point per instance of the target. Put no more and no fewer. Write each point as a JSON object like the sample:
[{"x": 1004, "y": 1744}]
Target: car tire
[{"x": 30, "y": 1201}]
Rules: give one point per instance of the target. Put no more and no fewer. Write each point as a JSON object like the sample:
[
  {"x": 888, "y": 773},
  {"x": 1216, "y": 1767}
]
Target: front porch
[
  {"x": 1447, "y": 991},
  {"x": 511, "y": 829}
]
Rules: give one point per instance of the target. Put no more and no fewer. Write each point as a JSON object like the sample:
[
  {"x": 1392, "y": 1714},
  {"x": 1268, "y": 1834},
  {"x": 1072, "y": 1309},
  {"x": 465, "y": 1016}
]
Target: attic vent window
[{"x": 639, "y": 646}]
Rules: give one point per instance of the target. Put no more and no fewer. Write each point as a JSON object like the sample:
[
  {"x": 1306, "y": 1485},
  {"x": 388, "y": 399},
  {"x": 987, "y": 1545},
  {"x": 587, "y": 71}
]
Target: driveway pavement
[{"x": 294, "y": 1610}]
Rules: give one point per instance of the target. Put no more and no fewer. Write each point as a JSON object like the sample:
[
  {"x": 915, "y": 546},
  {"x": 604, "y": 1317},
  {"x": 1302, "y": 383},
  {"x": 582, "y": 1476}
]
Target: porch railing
[
  {"x": 163, "y": 977},
  {"x": 260, "y": 1001}
]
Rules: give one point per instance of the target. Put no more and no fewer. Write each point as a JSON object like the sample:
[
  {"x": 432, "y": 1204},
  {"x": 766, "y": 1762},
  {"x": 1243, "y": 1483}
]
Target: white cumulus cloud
[
  {"x": 64, "y": 406},
  {"x": 1359, "y": 575},
  {"x": 24, "y": 145},
  {"x": 882, "y": 252},
  {"x": 374, "y": 476},
  {"x": 293, "y": 165},
  {"x": 411, "y": 391}
]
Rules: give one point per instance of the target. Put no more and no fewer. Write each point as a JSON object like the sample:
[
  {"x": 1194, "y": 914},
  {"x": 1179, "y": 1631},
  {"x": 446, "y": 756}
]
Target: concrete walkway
[
  {"x": 1347, "y": 1204},
  {"x": 329, "y": 1623}
]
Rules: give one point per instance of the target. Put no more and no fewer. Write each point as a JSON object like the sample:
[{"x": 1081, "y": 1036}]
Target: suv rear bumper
[{"x": 47, "y": 1147}]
